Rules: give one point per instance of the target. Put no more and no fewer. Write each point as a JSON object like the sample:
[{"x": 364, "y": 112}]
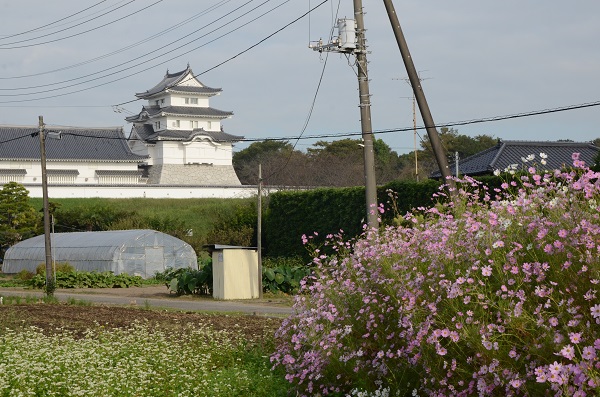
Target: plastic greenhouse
[{"x": 135, "y": 252}]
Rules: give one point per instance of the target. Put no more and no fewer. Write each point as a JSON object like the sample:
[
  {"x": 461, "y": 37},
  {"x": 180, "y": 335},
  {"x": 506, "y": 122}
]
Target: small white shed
[
  {"x": 235, "y": 272},
  {"x": 139, "y": 252}
]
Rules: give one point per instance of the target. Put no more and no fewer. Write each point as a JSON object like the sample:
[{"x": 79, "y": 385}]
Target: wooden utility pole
[
  {"x": 50, "y": 284},
  {"x": 413, "y": 76},
  {"x": 365, "y": 118},
  {"x": 259, "y": 232}
]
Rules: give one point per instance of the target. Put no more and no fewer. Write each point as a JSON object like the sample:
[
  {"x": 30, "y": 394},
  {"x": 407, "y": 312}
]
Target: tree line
[{"x": 340, "y": 163}]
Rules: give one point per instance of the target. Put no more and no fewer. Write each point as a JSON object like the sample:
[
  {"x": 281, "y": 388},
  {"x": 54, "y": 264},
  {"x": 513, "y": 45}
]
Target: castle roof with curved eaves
[{"x": 171, "y": 82}]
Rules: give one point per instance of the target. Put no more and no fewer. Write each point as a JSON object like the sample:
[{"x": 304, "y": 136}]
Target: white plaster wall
[
  {"x": 169, "y": 152},
  {"x": 208, "y": 152},
  {"x": 190, "y": 81},
  {"x": 136, "y": 191},
  {"x": 179, "y": 100},
  {"x": 87, "y": 171}
]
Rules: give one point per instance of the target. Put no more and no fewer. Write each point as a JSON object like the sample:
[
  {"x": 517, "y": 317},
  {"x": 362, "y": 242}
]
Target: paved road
[{"x": 186, "y": 304}]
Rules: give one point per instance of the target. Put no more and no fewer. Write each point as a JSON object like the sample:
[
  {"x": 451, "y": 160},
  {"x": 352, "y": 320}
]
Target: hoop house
[{"x": 135, "y": 252}]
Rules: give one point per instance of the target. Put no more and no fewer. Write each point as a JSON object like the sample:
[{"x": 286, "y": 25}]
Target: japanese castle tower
[{"x": 182, "y": 135}]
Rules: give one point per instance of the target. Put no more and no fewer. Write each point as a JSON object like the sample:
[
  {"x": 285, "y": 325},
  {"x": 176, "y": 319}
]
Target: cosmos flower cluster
[{"x": 492, "y": 294}]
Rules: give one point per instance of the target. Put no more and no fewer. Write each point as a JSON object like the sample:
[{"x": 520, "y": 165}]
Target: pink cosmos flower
[
  {"x": 589, "y": 353},
  {"x": 486, "y": 271},
  {"x": 568, "y": 352},
  {"x": 575, "y": 337}
]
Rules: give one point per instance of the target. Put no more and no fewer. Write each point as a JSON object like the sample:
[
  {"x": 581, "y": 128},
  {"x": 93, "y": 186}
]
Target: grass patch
[{"x": 200, "y": 215}]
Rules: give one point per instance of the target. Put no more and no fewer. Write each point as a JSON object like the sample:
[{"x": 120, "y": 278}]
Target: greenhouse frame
[{"x": 139, "y": 252}]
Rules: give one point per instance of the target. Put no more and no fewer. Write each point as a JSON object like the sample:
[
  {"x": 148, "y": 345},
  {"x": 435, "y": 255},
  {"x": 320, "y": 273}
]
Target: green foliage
[
  {"x": 18, "y": 219},
  {"x": 190, "y": 281},
  {"x": 90, "y": 218},
  {"x": 327, "y": 211},
  {"x": 63, "y": 267},
  {"x": 88, "y": 280},
  {"x": 14, "y": 280},
  {"x": 283, "y": 274},
  {"x": 188, "y": 219},
  {"x": 235, "y": 226}
]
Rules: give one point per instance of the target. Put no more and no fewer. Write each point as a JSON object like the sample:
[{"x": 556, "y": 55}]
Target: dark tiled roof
[
  {"x": 118, "y": 173},
  {"x": 506, "y": 153},
  {"x": 171, "y": 80},
  {"x": 146, "y": 133},
  {"x": 12, "y": 171},
  {"x": 184, "y": 111},
  {"x": 95, "y": 144},
  {"x": 62, "y": 172}
]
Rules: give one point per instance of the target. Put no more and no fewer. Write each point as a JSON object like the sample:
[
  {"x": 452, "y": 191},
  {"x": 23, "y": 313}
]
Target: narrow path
[{"x": 143, "y": 299}]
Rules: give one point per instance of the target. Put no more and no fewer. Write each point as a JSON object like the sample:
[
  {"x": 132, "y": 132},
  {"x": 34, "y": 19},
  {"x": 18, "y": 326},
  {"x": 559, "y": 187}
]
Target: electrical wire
[
  {"x": 260, "y": 42},
  {"x": 51, "y": 23},
  {"x": 2, "y": 47},
  {"x": 136, "y": 44},
  {"x": 312, "y": 105},
  {"x": 163, "y": 62},
  {"x": 404, "y": 129},
  {"x": 153, "y": 52}
]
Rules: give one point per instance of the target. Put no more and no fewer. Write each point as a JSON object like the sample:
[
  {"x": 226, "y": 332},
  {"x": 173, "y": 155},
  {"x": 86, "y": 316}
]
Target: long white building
[{"x": 176, "y": 148}]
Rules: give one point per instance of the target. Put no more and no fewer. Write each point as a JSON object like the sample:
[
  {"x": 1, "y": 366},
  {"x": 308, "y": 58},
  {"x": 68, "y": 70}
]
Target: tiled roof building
[
  {"x": 506, "y": 153},
  {"x": 73, "y": 155}
]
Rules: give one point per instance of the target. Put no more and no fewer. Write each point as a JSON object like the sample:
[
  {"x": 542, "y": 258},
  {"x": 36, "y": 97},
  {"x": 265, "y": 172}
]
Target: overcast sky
[{"x": 478, "y": 59}]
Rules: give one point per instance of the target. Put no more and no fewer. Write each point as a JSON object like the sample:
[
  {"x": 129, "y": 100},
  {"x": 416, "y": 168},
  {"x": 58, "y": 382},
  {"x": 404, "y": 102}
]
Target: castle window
[{"x": 194, "y": 101}]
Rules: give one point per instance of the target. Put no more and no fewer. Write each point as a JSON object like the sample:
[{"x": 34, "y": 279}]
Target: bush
[
  {"x": 24, "y": 275},
  {"x": 190, "y": 281},
  {"x": 493, "y": 294},
  {"x": 71, "y": 279},
  {"x": 63, "y": 267},
  {"x": 283, "y": 274}
]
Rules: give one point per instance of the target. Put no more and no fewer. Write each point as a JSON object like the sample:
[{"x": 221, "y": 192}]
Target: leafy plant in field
[
  {"x": 283, "y": 274},
  {"x": 494, "y": 294},
  {"x": 88, "y": 280},
  {"x": 186, "y": 281}
]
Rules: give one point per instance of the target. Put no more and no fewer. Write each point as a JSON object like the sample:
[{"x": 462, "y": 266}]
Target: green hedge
[{"x": 325, "y": 211}]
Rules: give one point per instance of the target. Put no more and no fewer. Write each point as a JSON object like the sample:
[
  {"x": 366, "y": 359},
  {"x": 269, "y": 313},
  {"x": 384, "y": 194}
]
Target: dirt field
[{"x": 78, "y": 318}]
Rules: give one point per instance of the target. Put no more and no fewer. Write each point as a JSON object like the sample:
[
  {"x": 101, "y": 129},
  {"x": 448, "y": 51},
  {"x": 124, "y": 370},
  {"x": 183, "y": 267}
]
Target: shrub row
[{"x": 88, "y": 280}]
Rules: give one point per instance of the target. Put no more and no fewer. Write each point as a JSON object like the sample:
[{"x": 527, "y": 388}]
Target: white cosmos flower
[{"x": 543, "y": 155}]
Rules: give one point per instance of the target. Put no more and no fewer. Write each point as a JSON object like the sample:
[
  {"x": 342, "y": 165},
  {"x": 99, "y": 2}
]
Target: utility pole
[
  {"x": 414, "y": 112},
  {"x": 259, "y": 232},
  {"x": 351, "y": 40},
  {"x": 50, "y": 285},
  {"x": 365, "y": 117},
  {"x": 434, "y": 138}
]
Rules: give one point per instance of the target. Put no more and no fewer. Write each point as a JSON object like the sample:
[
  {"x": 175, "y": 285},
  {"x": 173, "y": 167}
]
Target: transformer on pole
[{"x": 351, "y": 40}]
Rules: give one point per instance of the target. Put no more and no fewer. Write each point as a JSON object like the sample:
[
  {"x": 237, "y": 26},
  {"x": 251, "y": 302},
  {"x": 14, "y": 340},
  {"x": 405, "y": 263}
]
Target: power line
[
  {"x": 80, "y": 33},
  {"x": 260, "y": 42},
  {"x": 51, "y": 23},
  {"x": 390, "y": 130},
  {"x": 153, "y": 52},
  {"x": 173, "y": 27},
  {"x": 163, "y": 62},
  {"x": 312, "y": 105}
]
